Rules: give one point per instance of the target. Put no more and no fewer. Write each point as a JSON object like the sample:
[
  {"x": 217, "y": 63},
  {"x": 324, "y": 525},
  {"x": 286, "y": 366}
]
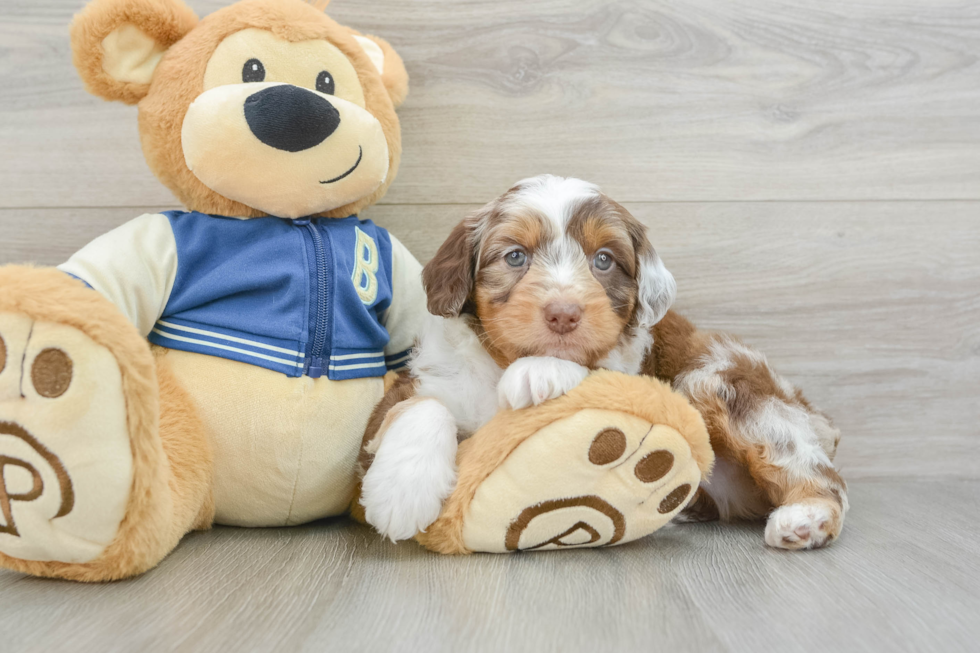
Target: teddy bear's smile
[{"x": 360, "y": 155}]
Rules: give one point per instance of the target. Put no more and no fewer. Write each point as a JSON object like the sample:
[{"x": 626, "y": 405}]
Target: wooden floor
[
  {"x": 810, "y": 172},
  {"x": 904, "y": 577}
]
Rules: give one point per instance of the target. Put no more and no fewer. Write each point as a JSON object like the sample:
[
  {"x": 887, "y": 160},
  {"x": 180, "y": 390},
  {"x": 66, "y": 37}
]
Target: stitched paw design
[
  {"x": 595, "y": 478},
  {"x": 65, "y": 461}
]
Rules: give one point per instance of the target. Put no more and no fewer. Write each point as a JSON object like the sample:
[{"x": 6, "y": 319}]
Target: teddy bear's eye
[
  {"x": 253, "y": 71},
  {"x": 324, "y": 82}
]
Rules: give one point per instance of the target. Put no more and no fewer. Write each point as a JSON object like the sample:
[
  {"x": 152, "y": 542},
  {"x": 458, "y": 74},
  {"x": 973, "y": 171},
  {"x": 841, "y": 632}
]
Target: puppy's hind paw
[{"x": 806, "y": 525}]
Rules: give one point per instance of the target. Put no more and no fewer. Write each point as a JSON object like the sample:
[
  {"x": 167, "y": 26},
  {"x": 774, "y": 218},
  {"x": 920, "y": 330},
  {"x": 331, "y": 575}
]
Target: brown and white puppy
[{"x": 532, "y": 291}]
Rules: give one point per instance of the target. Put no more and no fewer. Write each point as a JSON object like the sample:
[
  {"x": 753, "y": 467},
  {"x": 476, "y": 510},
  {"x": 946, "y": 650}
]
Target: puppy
[{"x": 545, "y": 283}]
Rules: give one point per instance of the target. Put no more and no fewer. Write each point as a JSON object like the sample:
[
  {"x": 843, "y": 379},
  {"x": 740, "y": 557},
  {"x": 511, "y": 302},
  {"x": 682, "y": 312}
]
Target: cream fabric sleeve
[
  {"x": 134, "y": 266},
  {"x": 407, "y": 313}
]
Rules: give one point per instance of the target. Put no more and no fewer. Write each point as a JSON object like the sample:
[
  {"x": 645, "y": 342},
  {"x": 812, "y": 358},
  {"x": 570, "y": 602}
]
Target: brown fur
[
  {"x": 381, "y": 418},
  {"x": 188, "y": 452},
  {"x": 702, "y": 508},
  {"x": 178, "y": 80},
  {"x": 469, "y": 274},
  {"x": 448, "y": 276},
  {"x": 167, "y": 21},
  {"x": 394, "y": 76},
  {"x": 678, "y": 348},
  {"x": 515, "y": 327},
  {"x": 396, "y": 400},
  {"x": 483, "y": 453},
  {"x": 161, "y": 507},
  {"x": 507, "y": 301},
  {"x": 677, "y": 345}
]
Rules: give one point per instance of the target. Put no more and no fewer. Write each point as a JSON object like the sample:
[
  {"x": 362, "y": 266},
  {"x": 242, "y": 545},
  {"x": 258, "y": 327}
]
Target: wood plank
[
  {"x": 701, "y": 100},
  {"x": 872, "y": 308},
  {"x": 902, "y": 577}
]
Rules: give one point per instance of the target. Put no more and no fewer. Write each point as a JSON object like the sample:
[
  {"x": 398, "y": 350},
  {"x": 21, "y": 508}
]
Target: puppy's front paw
[
  {"x": 413, "y": 472},
  {"x": 536, "y": 379}
]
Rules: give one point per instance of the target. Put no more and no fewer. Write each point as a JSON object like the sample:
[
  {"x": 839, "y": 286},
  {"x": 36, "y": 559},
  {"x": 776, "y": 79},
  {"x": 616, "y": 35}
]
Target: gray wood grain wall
[{"x": 810, "y": 172}]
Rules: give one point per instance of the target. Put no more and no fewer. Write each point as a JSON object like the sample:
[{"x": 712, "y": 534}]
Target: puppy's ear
[
  {"x": 117, "y": 44},
  {"x": 390, "y": 66},
  {"x": 448, "y": 277},
  {"x": 656, "y": 288}
]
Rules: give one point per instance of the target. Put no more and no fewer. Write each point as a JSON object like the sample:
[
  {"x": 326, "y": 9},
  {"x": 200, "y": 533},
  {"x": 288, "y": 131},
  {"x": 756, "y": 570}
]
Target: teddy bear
[{"x": 220, "y": 365}]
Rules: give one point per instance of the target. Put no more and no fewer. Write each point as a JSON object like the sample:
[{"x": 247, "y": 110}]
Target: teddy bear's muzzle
[
  {"x": 290, "y": 118},
  {"x": 283, "y": 149}
]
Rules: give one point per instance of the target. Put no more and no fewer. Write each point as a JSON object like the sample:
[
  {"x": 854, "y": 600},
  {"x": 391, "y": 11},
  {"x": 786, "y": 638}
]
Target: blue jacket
[{"x": 339, "y": 297}]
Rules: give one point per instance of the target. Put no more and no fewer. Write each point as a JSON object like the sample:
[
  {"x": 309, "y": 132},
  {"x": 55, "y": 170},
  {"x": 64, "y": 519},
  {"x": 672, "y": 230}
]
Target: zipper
[{"x": 314, "y": 362}]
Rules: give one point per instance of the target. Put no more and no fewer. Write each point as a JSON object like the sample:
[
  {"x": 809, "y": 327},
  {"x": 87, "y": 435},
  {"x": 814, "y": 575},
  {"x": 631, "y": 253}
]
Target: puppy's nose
[
  {"x": 290, "y": 118},
  {"x": 562, "y": 318}
]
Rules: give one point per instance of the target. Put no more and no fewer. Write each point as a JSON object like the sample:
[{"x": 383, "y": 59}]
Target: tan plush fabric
[
  {"x": 286, "y": 448},
  {"x": 221, "y": 152},
  {"x": 70, "y": 389},
  {"x": 179, "y": 80},
  {"x": 153, "y": 428},
  {"x": 161, "y": 505},
  {"x": 134, "y": 266},
  {"x": 109, "y": 23},
  {"x": 551, "y": 493},
  {"x": 496, "y": 457},
  {"x": 393, "y": 73},
  {"x": 130, "y": 55}
]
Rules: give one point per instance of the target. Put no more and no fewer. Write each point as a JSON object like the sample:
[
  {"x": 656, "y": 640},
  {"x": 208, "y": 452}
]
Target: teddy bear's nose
[{"x": 290, "y": 118}]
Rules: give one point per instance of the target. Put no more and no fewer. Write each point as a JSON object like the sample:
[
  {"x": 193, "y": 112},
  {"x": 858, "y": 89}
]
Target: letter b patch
[{"x": 365, "y": 267}]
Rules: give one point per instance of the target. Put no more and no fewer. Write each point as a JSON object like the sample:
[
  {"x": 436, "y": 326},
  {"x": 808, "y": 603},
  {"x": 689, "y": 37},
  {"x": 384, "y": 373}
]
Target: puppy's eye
[
  {"x": 253, "y": 71},
  {"x": 516, "y": 259},
  {"x": 602, "y": 261},
  {"x": 324, "y": 82}
]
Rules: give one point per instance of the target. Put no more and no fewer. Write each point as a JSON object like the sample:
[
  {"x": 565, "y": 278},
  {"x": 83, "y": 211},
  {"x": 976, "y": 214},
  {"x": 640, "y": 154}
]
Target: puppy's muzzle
[
  {"x": 290, "y": 118},
  {"x": 562, "y": 318}
]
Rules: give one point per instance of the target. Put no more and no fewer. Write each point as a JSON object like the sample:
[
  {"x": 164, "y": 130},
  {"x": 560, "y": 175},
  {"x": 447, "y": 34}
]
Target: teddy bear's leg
[
  {"x": 103, "y": 465},
  {"x": 613, "y": 460}
]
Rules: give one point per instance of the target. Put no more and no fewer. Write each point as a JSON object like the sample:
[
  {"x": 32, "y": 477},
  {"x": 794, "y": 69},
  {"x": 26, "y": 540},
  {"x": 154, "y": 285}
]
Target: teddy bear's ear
[
  {"x": 388, "y": 63},
  {"x": 117, "y": 44}
]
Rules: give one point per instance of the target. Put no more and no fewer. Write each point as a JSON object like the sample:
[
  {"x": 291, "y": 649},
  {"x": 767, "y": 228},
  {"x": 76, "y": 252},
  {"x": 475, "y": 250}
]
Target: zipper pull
[
  {"x": 315, "y": 371},
  {"x": 301, "y": 222}
]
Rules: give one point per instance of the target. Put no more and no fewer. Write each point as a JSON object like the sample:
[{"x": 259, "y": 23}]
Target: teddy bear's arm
[
  {"x": 407, "y": 313},
  {"x": 133, "y": 266}
]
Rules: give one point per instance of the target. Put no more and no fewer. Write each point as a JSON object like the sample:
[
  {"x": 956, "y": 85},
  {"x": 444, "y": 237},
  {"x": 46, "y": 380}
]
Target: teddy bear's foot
[
  {"x": 66, "y": 468},
  {"x": 101, "y": 452},
  {"x": 595, "y": 478},
  {"x": 612, "y": 461}
]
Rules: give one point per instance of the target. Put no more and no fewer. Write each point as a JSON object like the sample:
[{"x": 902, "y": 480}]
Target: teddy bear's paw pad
[
  {"x": 595, "y": 478},
  {"x": 65, "y": 462}
]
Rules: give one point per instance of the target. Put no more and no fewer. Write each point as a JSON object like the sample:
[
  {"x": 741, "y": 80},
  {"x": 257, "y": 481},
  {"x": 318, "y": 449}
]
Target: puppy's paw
[
  {"x": 413, "y": 472},
  {"x": 536, "y": 379},
  {"x": 805, "y": 525}
]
